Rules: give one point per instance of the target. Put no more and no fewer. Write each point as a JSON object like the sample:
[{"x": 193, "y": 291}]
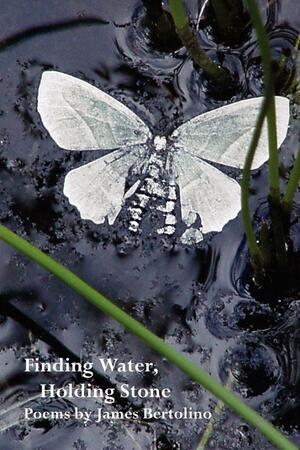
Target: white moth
[{"x": 79, "y": 116}]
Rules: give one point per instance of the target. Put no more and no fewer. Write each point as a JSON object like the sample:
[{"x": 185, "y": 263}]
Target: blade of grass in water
[
  {"x": 165, "y": 350},
  {"x": 287, "y": 202},
  {"x": 189, "y": 39},
  {"x": 266, "y": 58},
  {"x": 274, "y": 191},
  {"x": 208, "y": 432},
  {"x": 255, "y": 252}
]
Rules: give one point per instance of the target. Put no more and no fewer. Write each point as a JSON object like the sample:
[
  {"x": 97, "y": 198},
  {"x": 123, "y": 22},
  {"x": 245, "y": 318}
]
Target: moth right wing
[
  {"x": 97, "y": 189},
  {"x": 79, "y": 116},
  {"x": 223, "y": 135}
]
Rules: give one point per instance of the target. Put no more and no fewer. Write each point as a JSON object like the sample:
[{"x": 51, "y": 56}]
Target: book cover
[{"x": 124, "y": 131}]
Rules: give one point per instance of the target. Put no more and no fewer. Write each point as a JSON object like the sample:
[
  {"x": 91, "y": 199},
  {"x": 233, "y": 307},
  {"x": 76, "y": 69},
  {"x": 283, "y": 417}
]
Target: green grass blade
[
  {"x": 255, "y": 252},
  {"x": 209, "y": 430},
  {"x": 190, "y": 40},
  {"x": 178, "y": 14},
  {"x": 287, "y": 201},
  {"x": 274, "y": 180},
  {"x": 266, "y": 57},
  {"x": 153, "y": 341}
]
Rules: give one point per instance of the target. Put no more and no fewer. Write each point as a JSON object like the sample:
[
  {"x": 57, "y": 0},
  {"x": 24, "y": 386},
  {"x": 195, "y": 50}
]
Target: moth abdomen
[
  {"x": 155, "y": 199},
  {"x": 168, "y": 209}
]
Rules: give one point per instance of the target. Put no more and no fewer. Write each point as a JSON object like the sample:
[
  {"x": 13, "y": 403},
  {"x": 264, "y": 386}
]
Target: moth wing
[
  {"x": 206, "y": 191},
  {"x": 97, "y": 188},
  {"x": 79, "y": 116},
  {"x": 224, "y": 134}
]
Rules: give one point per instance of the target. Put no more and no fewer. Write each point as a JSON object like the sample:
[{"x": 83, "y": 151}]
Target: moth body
[{"x": 156, "y": 192}]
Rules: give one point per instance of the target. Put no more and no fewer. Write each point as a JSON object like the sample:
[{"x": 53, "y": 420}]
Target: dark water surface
[{"x": 195, "y": 298}]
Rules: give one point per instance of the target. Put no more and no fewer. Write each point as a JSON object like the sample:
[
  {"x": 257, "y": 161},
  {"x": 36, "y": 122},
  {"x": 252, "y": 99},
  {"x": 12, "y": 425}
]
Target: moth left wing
[
  {"x": 206, "y": 191},
  {"x": 224, "y": 134},
  {"x": 97, "y": 189},
  {"x": 79, "y": 116}
]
